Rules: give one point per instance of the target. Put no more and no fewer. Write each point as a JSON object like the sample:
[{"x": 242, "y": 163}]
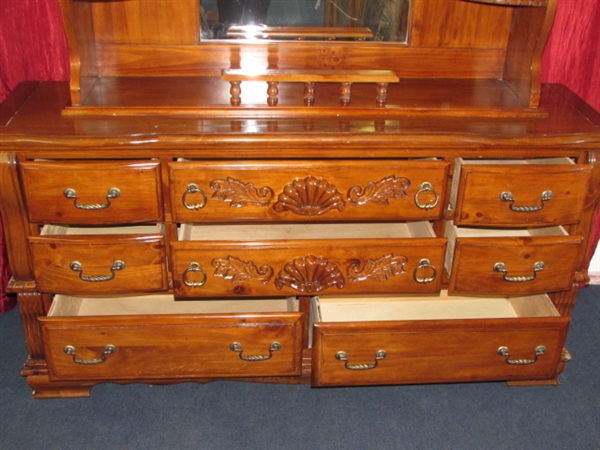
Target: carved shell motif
[
  {"x": 378, "y": 269},
  {"x": 241, "y": 194},
  {"x": 310, "y": 197},
  {"x": 310, "y": 274},
  {"x": 236, "y": 270},
  {"x": 380, "y": 192}
]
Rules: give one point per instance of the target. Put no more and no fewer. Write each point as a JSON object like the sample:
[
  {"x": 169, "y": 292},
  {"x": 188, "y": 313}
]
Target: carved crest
[
  {"x": 380, "y": 192},
  {"x": 310, "y": 274},
  {"x": 241, "y": 194},
  {"x": 310, "y": 197},
  {"x": 378, "y": 269},
  {"x": 236, "y": 270}
]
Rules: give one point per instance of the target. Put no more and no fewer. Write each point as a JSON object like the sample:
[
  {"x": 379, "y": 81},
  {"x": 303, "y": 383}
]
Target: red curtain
[{"x": 33, "y": 47}]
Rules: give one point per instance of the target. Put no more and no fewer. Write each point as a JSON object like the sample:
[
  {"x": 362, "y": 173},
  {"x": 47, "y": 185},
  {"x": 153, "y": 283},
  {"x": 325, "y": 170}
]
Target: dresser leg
[{"x": 44, "y": 388}]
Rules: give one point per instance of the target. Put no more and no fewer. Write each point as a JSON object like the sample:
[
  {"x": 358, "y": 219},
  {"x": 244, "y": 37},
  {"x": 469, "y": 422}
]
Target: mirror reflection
[{"x": 378, "y": 20}]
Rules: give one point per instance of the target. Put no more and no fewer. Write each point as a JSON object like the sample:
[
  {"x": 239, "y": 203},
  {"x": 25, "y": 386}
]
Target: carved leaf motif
[
  {"x": 236, "y": 270},
  {"x": 310, "y": 274},
  {"x": 310, "y": 197},
  {"x": 380, "y": 192},
  {"x": 378, "y": 269},
  {"x": 240, "y": 194}
]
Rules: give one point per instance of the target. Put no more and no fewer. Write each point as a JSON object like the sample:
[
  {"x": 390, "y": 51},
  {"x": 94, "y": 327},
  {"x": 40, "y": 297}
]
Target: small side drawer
[
  {"x": 92, "y": 192},
  {"x": 516, "y": 261},
  {"x": 519, "y": 193},
  {"x": 376, "y": 341},
  {"x": 131, "y": 259},
  {"x": 293, "y": 191},
  {"x": 306, "y": 259},
  {"x": 154, "y": 337}
]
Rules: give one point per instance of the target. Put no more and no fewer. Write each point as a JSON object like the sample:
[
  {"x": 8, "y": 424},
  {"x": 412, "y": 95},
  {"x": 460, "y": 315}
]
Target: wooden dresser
[{"x": 339, "y": 212}]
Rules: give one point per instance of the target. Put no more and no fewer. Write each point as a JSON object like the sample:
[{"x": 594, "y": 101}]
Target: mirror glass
[{"x": 371, "y": 20}]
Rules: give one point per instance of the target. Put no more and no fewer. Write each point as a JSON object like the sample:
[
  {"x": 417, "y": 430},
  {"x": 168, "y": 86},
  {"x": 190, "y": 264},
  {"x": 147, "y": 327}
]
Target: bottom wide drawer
[
  {"x": 154, "y": 337},
  {"x": 374, "y": 341}
]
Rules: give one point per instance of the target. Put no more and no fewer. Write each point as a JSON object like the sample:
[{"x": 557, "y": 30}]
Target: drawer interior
[
  {"x": 60, "y": 230},
  {"x": 429, "y": 307},
  {"x": 460, "y": 162},
  {"x": 192, "y": 232},
  {"x": 64, "y": 305}
]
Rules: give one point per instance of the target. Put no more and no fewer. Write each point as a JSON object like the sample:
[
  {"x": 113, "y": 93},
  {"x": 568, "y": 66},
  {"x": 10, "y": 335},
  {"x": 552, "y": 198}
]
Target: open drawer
[
  {"x": 511, "y": 261},
  {"x": 306, "y": 259},
  {"x": 518, "y": 193},
  {"x": 429, "y": 339},
  {"x": 153, "y": 337},
  {"x": 100, "y": 260},
  {"x": 301, "y": 190}
]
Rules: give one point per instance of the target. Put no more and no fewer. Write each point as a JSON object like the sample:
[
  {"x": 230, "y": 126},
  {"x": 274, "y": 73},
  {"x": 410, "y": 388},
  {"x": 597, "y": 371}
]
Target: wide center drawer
[
  {"x": 93, "y": 192},
  {"x": 306, "y": 259},
  {"x": 519, "y": 193},
  {"x": 396, "y": 340},
  {"x": 154, "y": 337},
  {"x": 300, "y": 190},
  {"x": 122, "y": 259}
]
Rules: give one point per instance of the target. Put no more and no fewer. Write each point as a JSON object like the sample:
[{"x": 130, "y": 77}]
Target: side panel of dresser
[{"x": 32, "y": 304}]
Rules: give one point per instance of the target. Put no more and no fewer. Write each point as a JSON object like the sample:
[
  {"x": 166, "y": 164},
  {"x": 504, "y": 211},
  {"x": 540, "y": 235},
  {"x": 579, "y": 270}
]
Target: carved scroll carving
[
  {"x": 239, "y": 194},
  {"x": 379, "y": 269},
  {"x": 310, "y": 274},
  {"x": 310, "y": 197},
  {"x": 236, "y": 270},
  {"x": 379, "y": 192}
]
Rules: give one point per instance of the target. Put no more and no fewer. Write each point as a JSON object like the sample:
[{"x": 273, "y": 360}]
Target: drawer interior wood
[
  {"x": 429, "y": 307},
  {"x": 60, "y": 230},
  {"x": 189, "y": 232},
  {"x": 64, "y": 305}
]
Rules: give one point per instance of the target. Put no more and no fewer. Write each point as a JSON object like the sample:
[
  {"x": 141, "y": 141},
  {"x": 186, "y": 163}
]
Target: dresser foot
[{"x": 44, "y": 388}]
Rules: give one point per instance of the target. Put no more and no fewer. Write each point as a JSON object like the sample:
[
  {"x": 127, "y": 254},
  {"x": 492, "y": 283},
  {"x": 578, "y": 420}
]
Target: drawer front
[
  {"x": 100, "y": 264},
  {"x": 300, "y": 267},
  {"x": 515, "y": 265},
  {"x": 93, "y": 192},
  {"x": 370, "y": 353},
  {"x": 307, "y": 190},
  {"x": 521, "y": 195},
  {"x": 172, "y": 346}
]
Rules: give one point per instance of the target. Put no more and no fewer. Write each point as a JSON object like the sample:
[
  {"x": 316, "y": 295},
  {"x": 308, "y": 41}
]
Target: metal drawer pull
[
  {"x": 426, "y": 187},
  {"x": 503, "y": 351},
  {"x": 425, "y": 264},
  {"x": 507, "y": 196},
  {"x": 108, "y": 350},
  {"x": 501, "y": 267},
  {"x": 237, "y": 347},
  {"x": 342, "y": 356},
  {"x": 71, "y": 194},
  {"x": 77, "y": 267},
  {"x": 193, "y": 188},
  {"x": 194, "y": 267}
]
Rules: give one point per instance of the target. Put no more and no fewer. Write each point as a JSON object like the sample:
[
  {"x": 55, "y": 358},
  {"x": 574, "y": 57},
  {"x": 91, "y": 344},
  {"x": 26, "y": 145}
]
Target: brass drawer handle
[
  {"x": 77, "y": 267},
  {"x": 342, "y": 356},
  {"x": 194, "y": 267},
  {"x": 507, "y": 196},
  {"x": 501, "y": 267},
  {"x": 426, "y": 187},
  {"x": 108, "y": 350},
  {"x": 503, "y": 351},
  {"x": 193, "y": 188},
  {"x": 425, "y": 264},
  {"x": 237, "y": 347},
  {"x": 71, "y": 194}
]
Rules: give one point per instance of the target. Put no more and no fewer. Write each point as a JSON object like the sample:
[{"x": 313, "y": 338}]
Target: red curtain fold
[{"x": 33, "y": 47}]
